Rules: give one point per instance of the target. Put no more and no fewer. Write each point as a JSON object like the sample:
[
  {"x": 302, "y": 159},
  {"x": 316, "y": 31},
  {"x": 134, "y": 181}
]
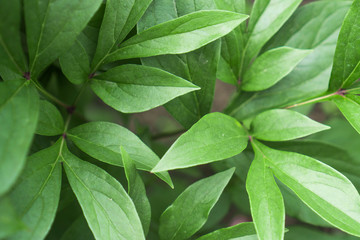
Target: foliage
[{"x": 76, "y": 162}]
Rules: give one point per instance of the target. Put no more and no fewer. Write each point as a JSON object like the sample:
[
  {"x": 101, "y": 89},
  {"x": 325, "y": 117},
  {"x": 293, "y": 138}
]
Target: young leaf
[
  {"x": 346, "y": 68},
  {"x": 51, "y": 28},
  {"x": 119, "y": 18},
  {"x": 238, "y": 231},
  {"x": 108, "y": 210},
  {"x": 283, "y": 125},
  {"x": 12, "y": 60},
  {"x": 10, "y": 222},
  {"x": 50, "y": 121},
  {"x": 102, "y": 140},
  {"x": 349, "y": 105},
  {"x": 190, "y": 210},
  {"x": 266, "y": 201},
  {"x": 215, "y": 137},
  {"x": 19, "y": 108},
  {"x": 267, "y": 17},
  {"x": 135, "y": 88},
  {"x": 326, "y": 191},
  {"x": 180, "y": 35},
  {"x": 137, "y": 191},
  {"x": 36, "y": 194},
  {"x": 271, "y": 67}
]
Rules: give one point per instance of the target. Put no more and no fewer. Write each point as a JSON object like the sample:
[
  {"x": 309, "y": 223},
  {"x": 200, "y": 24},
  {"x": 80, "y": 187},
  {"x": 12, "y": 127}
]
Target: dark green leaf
[
  {"x": 108, "y": 209},
  {"x": 305, "y": 233},
  {"x": 50, "y": 121},
  {"x": 190, "y": 210},
  {"x": 283, "y": 125},
  {"x": 271, "y": 67},
  {"x": 180, "y": 35},
  {"x": 36, "y": 194},
  {"x": 137, "y": 191},
  {"x": 102, "y": 141},
  {"x": 242, "y": 231},
  {"x": 19, "y": 108},
  {"x": 12, "y": 60},
  {"x": 346, "y": 68},
  {"x": 349, "y": 105},
  {"x": 51, "y": 28},
  {"x": 266, "y": 202},
  {"x": 10, "y": 221},
  {"x": 79, "y": 230},
  {"x": 136, "y": 88},
  {"x": 326, "y": 191},
  {"x": 214, "y": 137}
]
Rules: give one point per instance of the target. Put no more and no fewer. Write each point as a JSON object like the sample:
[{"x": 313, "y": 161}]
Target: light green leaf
[
  {"x": 12, "y": 60},
  {"x": 19, "y": 110},
  {"x": 180, "y": 35},
  {"x": 349, "y": 105},
  {"x": 214, "y": 137},
  {"x": 242, "y": 231},
  {"x": 283, "y": 125},
  {"x": 326, "y": 191},
  {"x": 136, "y": 88},
  {"x": 50, "y": 121},
  {"x": 302, "y": 232},
  {"x": 51, "y": 29},
  {"x": 346, "y": 68},
  {"x": 266, "y": 201},
  {"x": 271, "y": 67},
  {"x": 267, "y": 17},
  {"x": 36, "y": 194},
  {"x": 10, "y": 222},
  {"x": 108, "y": 209},
  {"x": 190, "y": 210},
  {"x": 102, "y": 140},
  {"x": 119, "y": 18},
  {"x": 137, "y": 191}
]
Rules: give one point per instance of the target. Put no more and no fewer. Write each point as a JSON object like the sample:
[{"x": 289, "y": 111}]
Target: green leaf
[
  {"x": 349, "y": 105},
  {"x": 51, "y": 29},
  {"x": 267, "y": 17},
  {"x": 214, "y": 137},
  {"x": 283, "y": 125},
  {"x": 10, "y": 222},
  {"x": 108, "y": 209},
  {"x": 12, "y": 60},
  {"x": 266, "y": 201},
  {"x": 305, "y": 30},
  {"x": 326, "y": 191},
  {"x": 190, "y": 210},
  {"x": 102, "y": 140},
  {"x": 301, "y": 232},
  {"x": 137, "y": 191},
  {"x": 180, "y": 35},
  {"x": 271, "y": 67},
  {"x": 198, "y": 67},
  {"x": 240, "y": 231},
  {"x": 19, "y": 108},
  {"x": 346, "y": 68},
  {"x": 36, "y": 194},
  {"x": 78, "y": 230},
  {"x": 119, "y": 18},
  {"x": 135, "y": 88},
  {"x": 50, "y": 121}
]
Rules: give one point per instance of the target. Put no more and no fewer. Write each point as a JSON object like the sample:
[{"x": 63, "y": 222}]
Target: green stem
[
  {"x": 312, "y": 100},
  {"x": 49, "y": 95}
]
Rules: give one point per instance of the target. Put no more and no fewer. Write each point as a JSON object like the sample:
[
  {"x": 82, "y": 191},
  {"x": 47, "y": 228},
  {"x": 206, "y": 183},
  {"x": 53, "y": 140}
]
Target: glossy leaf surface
[
  {"x": 349, "y": 105},
  {"x": 242, "y": 231}
]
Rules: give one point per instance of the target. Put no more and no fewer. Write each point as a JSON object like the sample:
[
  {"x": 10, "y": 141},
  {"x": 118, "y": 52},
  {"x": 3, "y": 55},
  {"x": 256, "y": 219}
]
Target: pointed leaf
[
  {"x": 266, "y": 201},
  {"x": 347, "y": 55},
  {"x": 180, "y": 35},
  {"x": 136, "y": 88},
  {"x": 36, "y": 195},
  {"x": 349, "y": 105},
  {"x": 51, "y": 29},
  {"x": 108, "y": 210},
  {"x": 50, "y": 121},
  {"x": 102, "y": 140},
  {"x": 326, "y": 191},
  {"x": 271, "y": 67},
  {"x": 19, "y": 109},
  {"x": 215, "y": 137},
  {"x": 137, "y": 191},
  {"x": 190, "y": 210},
  {"x": 283, "y": 125},
  {"x": 242, "y": 231}
]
